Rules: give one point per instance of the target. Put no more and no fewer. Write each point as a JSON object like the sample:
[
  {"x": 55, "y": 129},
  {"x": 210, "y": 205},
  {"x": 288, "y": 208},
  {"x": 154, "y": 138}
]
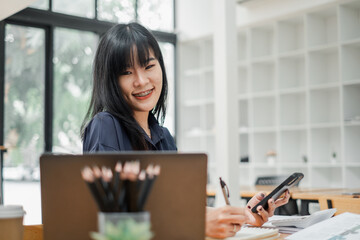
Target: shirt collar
[{"x": 156, "y": 131}]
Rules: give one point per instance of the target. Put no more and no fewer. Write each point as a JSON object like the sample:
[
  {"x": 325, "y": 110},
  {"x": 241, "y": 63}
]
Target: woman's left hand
[{"x": 258, "y": 219}]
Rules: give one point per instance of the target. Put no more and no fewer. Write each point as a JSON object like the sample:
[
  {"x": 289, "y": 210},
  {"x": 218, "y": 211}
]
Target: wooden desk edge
[{"x": 35, "y": 232}]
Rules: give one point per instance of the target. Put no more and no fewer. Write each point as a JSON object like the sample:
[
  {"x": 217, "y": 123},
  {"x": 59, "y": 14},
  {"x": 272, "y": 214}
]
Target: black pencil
[
  {"x": 155, "y": 172},
  {"x": 118, "y": 169},
  {"x": 152, "y": 173},
  {"x": 121, "y": 193},
  {"x": 100, "y": 183},
  {"x": 117, "y": 184},
  {"x": 124, "y": 193},
  {"x": 131, "y": 186},
  {"x": 141, "y": 179},
  {"x": 89, "y": 178},
  {"x": 107, "y": 176}
]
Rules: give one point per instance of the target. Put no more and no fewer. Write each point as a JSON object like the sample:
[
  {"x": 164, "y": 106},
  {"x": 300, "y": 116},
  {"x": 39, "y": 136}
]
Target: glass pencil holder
[{"x": 124, "y": 225}]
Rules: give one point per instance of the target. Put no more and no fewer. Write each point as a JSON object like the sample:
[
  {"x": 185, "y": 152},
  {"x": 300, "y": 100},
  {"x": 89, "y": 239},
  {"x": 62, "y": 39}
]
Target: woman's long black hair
[{"x": 114, "y": 54}]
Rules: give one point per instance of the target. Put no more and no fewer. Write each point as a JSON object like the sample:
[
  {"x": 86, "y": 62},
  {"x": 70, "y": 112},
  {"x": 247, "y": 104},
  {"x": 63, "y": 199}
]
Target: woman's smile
[{"x": 143, "y": 95}]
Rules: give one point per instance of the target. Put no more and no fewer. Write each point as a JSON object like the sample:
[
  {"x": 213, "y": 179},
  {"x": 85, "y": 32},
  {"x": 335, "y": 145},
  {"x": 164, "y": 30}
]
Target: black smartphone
[{"x": 276, "y": 193}]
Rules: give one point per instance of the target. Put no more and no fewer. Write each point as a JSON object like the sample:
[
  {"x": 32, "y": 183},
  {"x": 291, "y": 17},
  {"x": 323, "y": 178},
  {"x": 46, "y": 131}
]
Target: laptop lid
[{"x": 176, "y": 204}]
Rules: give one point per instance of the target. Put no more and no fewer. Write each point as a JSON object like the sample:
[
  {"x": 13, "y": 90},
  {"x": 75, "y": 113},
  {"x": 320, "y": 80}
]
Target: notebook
[
  {"x": 252, "y": 233},
  {"x": 304, "y": 221},
  {"x": 249, "y": 233},
  {"x": 176, "y": 204}
]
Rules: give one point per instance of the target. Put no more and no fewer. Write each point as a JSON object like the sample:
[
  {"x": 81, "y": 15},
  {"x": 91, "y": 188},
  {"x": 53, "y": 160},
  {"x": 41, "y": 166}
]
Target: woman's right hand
[{"x": 224, "y": 221}]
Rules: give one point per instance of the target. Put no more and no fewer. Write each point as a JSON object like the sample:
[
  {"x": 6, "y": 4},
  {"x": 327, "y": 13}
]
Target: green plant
[{"x": 124, "y": 230}]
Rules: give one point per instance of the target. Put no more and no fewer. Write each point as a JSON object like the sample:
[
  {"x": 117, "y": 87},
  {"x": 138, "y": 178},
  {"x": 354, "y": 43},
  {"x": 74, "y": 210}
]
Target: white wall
[
  {"x": 261, "y": 10},
  {"x": 194, "y": 18},
  {"x": 10, "y": 7}
]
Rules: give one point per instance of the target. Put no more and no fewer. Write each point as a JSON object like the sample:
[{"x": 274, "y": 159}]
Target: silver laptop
[{"x": 176, "y": 204}]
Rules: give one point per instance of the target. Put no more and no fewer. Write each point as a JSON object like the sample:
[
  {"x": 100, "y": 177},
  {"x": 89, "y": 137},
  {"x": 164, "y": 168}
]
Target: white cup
[{"x": 11, "y": 222}]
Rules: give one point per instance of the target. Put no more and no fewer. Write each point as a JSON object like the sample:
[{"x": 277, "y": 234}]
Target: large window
[
  {"x": 117, "y": 11},
  {"x": 82, "y": 8},
  {"x": 73, "y": 54},
  {"x": 157, "y": 14},
  {"x": 24, "y": 114},
  {"x": 24, "y": 95},
  {"x": 46, "y": 56}
]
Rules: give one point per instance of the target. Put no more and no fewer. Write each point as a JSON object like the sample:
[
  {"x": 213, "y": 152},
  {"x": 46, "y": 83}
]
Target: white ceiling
[{"x": 9, "y": 7}]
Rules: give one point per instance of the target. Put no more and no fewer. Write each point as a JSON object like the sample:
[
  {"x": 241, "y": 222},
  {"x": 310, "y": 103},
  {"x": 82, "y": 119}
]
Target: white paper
[
  {"x": 304, "y": 221},
  {"x": 287, "y": 230},
  {"x": 345, "y": 226}
]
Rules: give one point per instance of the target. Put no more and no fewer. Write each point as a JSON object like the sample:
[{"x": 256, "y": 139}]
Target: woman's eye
[
  {"x": 150, "y": 66},
  {"x": 126, "y": 73}
]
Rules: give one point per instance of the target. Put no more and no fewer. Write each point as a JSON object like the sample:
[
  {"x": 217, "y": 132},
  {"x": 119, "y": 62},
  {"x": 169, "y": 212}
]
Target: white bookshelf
[
  {"x": 290, "y": 34},
  {"x": 292, "y": 109},
  {"x": 322, "y": 27},
  {"x": 323, "y": 65},
  {"x": 293, "y": 64},
  {"x": 294, "y": 145},
  {"x": 350, "y": 57},
  {"x": 298, "y": 95},
  {"x": 349, "y": 20},
  {"x": 262, "y": 41},
  {"x": 263, "y": 76},
  {"x": 196, "y": 93}
]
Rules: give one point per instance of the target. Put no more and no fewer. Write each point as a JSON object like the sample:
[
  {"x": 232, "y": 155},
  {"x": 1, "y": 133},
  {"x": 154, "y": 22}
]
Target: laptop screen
[{"x": 177, "y": 202}]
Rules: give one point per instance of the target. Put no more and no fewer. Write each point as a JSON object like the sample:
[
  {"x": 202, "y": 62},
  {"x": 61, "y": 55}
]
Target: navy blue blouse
[{"x": 105, "y": 133}]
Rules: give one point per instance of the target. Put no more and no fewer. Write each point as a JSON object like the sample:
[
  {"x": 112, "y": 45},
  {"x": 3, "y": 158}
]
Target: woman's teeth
[{"x": 143, "y": 94}]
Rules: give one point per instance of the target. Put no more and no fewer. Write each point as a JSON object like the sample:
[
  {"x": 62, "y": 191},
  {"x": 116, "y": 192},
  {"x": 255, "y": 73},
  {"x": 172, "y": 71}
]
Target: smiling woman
[{"x": 129, "y": 94}]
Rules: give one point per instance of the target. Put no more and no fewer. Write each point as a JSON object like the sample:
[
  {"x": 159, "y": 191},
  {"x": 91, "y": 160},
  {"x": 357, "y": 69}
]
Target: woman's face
[{"x": 141, "y": 86}]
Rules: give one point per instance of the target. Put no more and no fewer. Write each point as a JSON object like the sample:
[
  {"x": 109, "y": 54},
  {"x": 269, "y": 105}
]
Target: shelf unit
[
  {"x": 298, "y": 92},
  {"x": 196, "y": 108}
]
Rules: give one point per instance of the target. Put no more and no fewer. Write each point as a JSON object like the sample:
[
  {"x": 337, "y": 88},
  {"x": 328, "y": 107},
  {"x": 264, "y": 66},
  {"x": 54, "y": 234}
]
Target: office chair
[{"x": 342, "y": 204}]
